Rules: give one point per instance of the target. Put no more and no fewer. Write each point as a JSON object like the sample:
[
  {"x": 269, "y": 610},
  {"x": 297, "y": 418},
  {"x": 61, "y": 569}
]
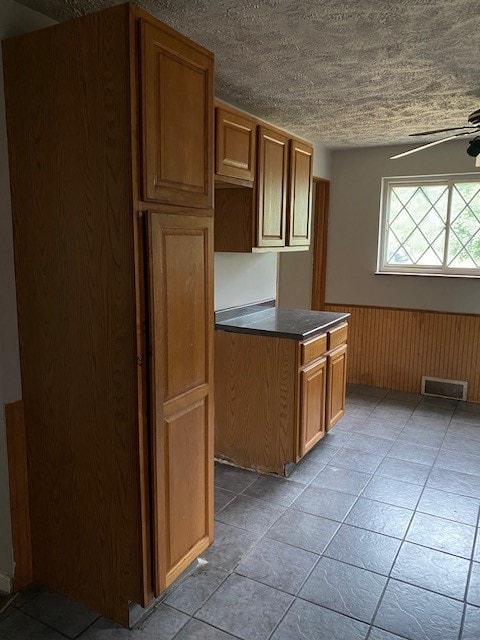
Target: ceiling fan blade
[
  {"x": 430, "y": 144},
  {"x": 426, "y": 133}
]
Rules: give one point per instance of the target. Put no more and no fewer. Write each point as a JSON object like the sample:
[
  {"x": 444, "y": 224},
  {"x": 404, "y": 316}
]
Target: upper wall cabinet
[
  {"x": 300, "y": 194},
  {"x": 276, "y": 214},
  {"x": 271, "y": 188},
  {"x": 177, "y": 119},
  {"x": 234, "y": 146}
]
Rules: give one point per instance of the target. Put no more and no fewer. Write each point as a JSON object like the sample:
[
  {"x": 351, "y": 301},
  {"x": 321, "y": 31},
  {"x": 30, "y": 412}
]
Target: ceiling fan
[{"x": 473, "y": 146}]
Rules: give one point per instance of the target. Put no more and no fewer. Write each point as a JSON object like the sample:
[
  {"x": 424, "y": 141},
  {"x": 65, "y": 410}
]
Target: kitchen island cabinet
[
  {"x": 275, "y": 392},
  {"x": 112, "y": 193}
]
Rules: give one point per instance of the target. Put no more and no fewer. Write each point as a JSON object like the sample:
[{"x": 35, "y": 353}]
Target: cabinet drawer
[
  {"x": 337, "y": 336},
  {"x": 313, "y": 349}
]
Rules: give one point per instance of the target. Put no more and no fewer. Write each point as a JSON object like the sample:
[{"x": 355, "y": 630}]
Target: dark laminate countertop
[{"x": 265, "y": 320}]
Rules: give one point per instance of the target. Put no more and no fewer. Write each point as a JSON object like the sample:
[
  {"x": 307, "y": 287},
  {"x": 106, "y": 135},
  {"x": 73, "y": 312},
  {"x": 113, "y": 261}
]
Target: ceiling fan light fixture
[
  {"x": 474, "y": 147},
  {"x": 474, "y": 118}
]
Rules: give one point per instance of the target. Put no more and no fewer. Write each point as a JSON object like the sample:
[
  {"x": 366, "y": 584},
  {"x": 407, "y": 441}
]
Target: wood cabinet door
[
  {"x": 271, "y": 188},
  {"x": 312, "y": 407},
  {"x": 234, "y": 145},
  {"x": 299, "y": 218},
  {"x": 180, "y": 312},
  {"x": 336, "y": 385},
  {"x": 177, "y": 118}
]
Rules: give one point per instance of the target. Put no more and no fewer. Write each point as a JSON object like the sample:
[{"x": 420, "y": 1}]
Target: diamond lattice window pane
[
  {"x": 464, "y": 241},
  {"x": 416, "y": 225},
  {"x": 463, "y": 260},
  {"x": 417, "y": 245},
  {"x": 429, "y": 258},
  {"x": 403, "y": 225}
]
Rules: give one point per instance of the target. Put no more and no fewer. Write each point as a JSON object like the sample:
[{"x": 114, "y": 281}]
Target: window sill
[{"x": 427, "y": 275}]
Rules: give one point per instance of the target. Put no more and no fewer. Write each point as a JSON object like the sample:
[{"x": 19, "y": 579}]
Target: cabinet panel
[
  {"x": 300, "y": 193},
  {"x": 312, "y": 393},
  {"x": 177, "y": 109},
  {"x": 271, "y": 188},
  {"x": 180, "y": 301},
  {"x": 186, "y": 504},
  {"x": 184, "y": 309},
  {"x": 336, "y": 384},
  {"x": 234, "y": 145}
]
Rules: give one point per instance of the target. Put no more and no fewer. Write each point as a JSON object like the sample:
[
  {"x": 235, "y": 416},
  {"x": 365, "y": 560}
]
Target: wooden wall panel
[{"x": 394, "y": 348}]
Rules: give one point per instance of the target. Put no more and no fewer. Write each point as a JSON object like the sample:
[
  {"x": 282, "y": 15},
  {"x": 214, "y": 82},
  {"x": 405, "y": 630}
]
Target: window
[{"x": 430, "y": 225}]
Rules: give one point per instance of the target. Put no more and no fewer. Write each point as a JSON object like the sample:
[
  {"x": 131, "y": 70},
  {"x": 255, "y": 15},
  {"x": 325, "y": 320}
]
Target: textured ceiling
[{"x": 362, "y": 72}]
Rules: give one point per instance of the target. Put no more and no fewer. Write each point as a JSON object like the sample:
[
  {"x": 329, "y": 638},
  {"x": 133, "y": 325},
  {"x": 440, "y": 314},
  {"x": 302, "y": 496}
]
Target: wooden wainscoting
[{"x": 394, "y": 348}]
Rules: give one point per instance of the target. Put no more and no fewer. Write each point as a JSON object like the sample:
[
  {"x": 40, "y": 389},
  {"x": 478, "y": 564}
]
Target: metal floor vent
[{"x": 455, "y": 389}]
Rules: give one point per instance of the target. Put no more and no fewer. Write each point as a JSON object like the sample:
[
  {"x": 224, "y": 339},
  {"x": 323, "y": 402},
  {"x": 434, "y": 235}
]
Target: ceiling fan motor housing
[{"x": 474, "y": 118}]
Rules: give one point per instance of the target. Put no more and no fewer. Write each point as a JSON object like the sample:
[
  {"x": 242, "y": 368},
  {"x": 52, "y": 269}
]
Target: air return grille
[{"x": 455, "y": 389}]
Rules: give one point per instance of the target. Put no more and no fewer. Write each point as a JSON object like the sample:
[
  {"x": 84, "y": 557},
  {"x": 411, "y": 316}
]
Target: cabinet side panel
[
  {"x": 234, "y": 220},
  {"x": 70, "y": 163},
  {"x": 255, "y": 400}
]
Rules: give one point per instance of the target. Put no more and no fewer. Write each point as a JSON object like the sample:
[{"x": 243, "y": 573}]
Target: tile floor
[{"x": 373, "y": 536}]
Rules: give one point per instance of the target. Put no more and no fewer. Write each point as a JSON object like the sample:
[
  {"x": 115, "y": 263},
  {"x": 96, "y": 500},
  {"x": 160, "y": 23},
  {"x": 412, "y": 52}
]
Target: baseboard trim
[{"x": 5, "y": 582}]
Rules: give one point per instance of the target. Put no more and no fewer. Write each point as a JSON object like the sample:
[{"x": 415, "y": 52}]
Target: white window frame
[{"x": 417, "y": 181}]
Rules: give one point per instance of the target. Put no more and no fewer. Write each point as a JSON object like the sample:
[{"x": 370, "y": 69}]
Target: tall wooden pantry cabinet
[{"x": 110, "y": 128}]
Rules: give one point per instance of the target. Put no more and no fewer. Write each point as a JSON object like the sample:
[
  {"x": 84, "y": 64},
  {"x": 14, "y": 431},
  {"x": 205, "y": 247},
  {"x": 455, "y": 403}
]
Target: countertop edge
[{"x": 279, "y": 334}]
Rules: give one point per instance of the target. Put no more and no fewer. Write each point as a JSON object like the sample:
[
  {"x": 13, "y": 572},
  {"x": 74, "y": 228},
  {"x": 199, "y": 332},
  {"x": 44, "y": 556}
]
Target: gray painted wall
[
  {"x": 295, "y": 271},
  {"x": 14, "y": 20},
  {"x": 353, "y": 231},
  {"x": 243, "y": 278}
]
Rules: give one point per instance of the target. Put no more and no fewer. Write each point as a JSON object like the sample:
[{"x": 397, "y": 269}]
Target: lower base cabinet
[{"x": 275, "y": 397}]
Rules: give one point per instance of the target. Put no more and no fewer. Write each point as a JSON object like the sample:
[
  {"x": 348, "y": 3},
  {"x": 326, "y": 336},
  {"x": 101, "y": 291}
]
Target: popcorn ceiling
[{"x": 357, "y": 73}]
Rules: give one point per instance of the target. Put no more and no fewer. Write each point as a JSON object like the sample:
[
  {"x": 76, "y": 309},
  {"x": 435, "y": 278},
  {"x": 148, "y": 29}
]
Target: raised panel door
[
  {"x": 300, "y": 194},
  {"x": 234, "y": 145},
  {"x": 271, "y": 185},
  {"x": 312, "y": 409},
  {"x": 180, "y": 302},
  {"x": 336, "y": 385},
  {"x": 177, "y": 118}
]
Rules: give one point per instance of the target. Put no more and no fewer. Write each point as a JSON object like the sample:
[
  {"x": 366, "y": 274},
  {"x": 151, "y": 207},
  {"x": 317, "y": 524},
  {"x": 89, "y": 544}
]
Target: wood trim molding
[
  {"x": 394, "y": 348},
  {"x": 19, "y": 497},
  {"x": 320, "y": 231},
  {"x": 371, "y": 306}
]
